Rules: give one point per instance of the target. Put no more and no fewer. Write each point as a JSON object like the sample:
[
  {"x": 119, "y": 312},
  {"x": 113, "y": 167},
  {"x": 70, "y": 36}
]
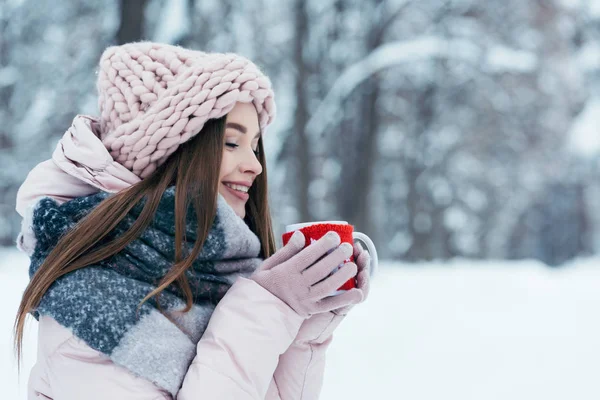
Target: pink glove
[
  {"x": 319, "y": 327},
  {"x": 363, "y": 281},
  {"x": 299, "y": 277}
]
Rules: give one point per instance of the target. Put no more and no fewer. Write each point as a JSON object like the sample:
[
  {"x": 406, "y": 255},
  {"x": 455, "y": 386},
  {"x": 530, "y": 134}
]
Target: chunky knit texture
[
  {"x": 99, "y": 302},
  {"x": 154, "y": 97}
]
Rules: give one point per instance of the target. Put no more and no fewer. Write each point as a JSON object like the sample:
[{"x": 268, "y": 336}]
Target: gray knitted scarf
[{"x": 98, "y": 302}]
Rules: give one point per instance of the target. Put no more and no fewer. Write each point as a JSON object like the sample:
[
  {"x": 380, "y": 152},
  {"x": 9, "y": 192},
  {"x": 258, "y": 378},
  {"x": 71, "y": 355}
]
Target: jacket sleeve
[
  {"x": 68, "y": 369},
  {"x": 299, "y": 374},
  {"x": 240, "y": 349},
  {"x": 273, "y": 391}
]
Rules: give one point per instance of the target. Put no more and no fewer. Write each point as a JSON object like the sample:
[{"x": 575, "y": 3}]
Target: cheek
[{"x": 225, "y": 168}]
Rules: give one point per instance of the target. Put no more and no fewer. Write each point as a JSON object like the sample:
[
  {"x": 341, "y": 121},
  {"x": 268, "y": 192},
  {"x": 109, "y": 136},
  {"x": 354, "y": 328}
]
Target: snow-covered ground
[{"x": 460, "y": 330}]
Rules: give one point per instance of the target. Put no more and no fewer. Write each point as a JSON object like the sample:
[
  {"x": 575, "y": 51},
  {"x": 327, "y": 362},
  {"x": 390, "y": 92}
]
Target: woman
[{"x": 147, "y": 233}]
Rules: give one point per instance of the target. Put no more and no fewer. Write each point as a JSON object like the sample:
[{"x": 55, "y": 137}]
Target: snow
[
  {"x": 571, "y": 4},
  {"x": 505, "y": 59},
  {"x": 401, "y": 242},
  {"x": 455, "y": 218},
  {"x": 498, "y": 59},
  {"x": 386, "y": 56},
  {"x": 8, "y": 76},
  {"x": 456, "y": 330},
  {"x": 471, "y": 330},
  {"x": 584, "y": 136},
  {"x": 589, "y": 57},
  {"x": 15, "y": 3},
  {"x": 174, "y": 24},
  {"x": 594, "y": 8},
  {"x": 591, "y": 6},
  {"x": 39, "y": 111}
]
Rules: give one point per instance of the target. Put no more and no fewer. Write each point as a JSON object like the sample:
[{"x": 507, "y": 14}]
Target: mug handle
[{"x": 370, "y": 248}]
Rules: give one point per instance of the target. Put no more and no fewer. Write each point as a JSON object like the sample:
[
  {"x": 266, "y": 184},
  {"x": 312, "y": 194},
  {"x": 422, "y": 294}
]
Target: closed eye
[{"x": 234, "y": 146}]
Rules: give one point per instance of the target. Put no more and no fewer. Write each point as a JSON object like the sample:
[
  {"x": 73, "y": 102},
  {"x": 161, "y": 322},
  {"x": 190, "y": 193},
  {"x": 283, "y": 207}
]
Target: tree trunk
[
  {"x": 303, "y": 171},
  {"x": 355, "y": 197},
  {"x": 417, "y": 204},
  {"x": 132, "y": 21},
  {"x": 365, "y": 160}
]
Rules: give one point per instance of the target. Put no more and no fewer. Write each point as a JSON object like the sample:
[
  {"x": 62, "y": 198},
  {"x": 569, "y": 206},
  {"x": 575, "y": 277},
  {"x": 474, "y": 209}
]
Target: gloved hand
[
  {"x": 319, "y": 327},
  {"x": 299, "y": 276},
  {"x": 363, "y": 280}
]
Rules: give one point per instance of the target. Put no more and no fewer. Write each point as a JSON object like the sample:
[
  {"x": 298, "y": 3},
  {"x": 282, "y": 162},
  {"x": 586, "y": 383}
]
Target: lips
[{"x": 240, "y": 195}]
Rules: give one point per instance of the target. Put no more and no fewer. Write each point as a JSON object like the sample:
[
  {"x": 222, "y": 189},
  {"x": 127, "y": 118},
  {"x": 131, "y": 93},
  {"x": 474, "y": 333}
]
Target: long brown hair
[{"x": 194, "y": 170}]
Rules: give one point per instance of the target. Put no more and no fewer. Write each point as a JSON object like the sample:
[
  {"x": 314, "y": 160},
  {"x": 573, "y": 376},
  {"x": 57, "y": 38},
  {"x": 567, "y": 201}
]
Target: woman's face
[{"x": 240, "y": 165}]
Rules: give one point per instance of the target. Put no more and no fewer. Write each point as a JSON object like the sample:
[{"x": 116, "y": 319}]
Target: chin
[{"x": 240, "y": 213}]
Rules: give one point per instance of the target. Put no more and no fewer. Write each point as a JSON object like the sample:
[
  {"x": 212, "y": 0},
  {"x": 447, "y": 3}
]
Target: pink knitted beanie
[{"x": 154, "y": 97}]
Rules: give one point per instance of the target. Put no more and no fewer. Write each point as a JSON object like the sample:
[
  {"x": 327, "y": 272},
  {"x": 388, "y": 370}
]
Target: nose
[{"x": 250, "y": 163}]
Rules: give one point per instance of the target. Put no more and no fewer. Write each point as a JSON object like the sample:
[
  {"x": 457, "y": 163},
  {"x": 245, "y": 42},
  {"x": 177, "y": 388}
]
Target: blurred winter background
[{"x": 463, "y": 136}]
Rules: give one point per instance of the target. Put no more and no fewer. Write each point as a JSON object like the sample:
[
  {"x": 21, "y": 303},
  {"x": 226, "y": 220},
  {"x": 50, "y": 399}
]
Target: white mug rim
[{"x": 295, "y": 227}]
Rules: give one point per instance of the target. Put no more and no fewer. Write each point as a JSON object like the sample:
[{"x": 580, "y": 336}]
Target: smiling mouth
[
  {"x": 239, "y": 188},
  {"x": 239, "y": 191}
]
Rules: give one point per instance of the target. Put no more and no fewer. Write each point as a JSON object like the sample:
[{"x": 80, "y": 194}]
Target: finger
[
  {"x": 321, "y": 269},
  {"x": 363, "y": 281},
  {"x": 358, "y": 249},
  {"x": 363, "y": 260},
  {"x": 351, "y": 297},
  {"x": 315, "y": 251},
  {"x": 293, "y": 247},
  {"x": 342, "y": 311},
  {"x": 335, "y": 281}
]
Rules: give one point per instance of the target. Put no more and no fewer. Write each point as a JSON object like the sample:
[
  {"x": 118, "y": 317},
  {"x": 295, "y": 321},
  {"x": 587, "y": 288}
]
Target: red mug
[{"x": 313, "y": 231}]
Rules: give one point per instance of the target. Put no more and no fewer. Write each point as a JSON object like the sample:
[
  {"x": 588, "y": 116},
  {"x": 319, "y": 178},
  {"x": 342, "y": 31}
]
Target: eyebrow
[{"x": 239, "y": 127}]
